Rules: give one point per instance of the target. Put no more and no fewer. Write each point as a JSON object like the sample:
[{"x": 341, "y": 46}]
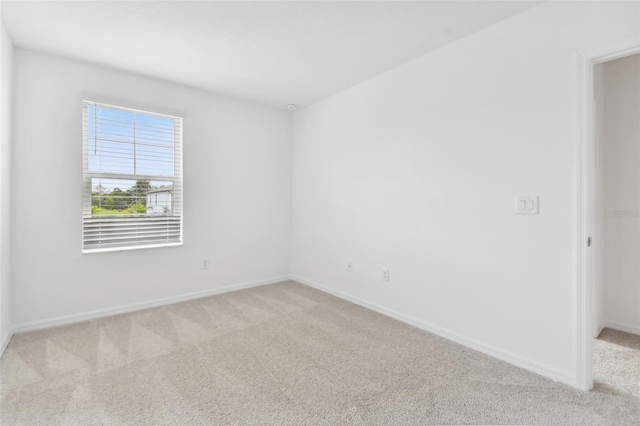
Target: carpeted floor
[
  {"x": 288, "y": 354},
  {"x": 616, "y": 363}
]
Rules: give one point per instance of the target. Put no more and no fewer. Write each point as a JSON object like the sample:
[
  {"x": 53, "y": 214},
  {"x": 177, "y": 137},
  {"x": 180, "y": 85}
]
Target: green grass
[{"x": 131, "y": 210}]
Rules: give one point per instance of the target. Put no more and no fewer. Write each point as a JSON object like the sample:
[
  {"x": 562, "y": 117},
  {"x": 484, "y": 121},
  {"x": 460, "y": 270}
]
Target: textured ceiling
[{"x": 273, "y": 53}]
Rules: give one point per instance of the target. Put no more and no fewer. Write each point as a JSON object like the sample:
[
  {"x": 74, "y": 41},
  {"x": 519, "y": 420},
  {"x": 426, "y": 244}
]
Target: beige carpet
[
  {"x": 616, "y": 366},
  {"x": 280, "y": 354}
]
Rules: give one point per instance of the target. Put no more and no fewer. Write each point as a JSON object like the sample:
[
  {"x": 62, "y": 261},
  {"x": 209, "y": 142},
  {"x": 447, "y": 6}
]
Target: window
[{"x": 130, "y": 157}]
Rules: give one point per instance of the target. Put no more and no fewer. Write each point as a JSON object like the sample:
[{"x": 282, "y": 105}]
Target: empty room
[{"x": 319, "y": 212}]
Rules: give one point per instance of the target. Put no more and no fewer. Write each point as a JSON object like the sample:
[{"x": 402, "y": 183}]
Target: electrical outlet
[
  {"x": 205, "y": 263},
  {"x": 385, "y": 274},
  {"x": 349, "y": 266}
]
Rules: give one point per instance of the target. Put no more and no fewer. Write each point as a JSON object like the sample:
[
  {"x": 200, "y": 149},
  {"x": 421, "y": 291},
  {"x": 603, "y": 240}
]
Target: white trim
[
  {"x": 116, "y": 310},
  {"x": 544, "y": 370},
  {"x": 627, "y": 328},
  {"x": 5, "y": 341},
  {"x": 584, "y": 281},
  {"x": 132, "y": 105},
  {"x": 585, "y": 289},
  {"x": 615, "y": 49},
  {"x": 105, "y": 250},
  {"x": 115, "y": 106}
]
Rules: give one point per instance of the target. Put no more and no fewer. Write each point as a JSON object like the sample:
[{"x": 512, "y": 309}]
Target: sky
[{"x": 129, "y": 142}]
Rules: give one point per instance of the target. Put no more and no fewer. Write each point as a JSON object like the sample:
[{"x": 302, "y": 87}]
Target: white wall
[
  {"x": 236, "y": 193},
  {"x": 621, "y": 139},
  {"x": 6, "y": 87},
  {"x": 417, "y": 170}
]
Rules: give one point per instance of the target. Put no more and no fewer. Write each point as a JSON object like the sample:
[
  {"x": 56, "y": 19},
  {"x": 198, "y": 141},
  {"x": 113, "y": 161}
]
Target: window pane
[
  {"x": 120, "y": 197},
  {"x": 131, "y": 142}
]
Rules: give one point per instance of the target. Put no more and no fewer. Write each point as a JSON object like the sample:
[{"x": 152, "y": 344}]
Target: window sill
[{"x": 104, "y": 250}]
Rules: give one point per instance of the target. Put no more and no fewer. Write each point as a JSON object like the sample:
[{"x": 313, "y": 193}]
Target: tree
[
  {"x": 98, "y": 194},
  {"x": 139, "y": 192},
  {"x": 119, "y": 199}
]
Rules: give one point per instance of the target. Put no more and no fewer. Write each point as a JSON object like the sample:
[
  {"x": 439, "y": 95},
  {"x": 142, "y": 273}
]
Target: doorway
[
  {"x": 588, "y": 249},
  {"x": 616, "y": 225}
]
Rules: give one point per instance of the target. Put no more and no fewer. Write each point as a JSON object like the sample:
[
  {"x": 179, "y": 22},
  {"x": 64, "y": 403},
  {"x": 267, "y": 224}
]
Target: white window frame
[{"x": 87, "y": 176}]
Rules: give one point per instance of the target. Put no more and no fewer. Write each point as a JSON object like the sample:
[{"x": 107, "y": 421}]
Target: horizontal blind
[{"x": 132, "y": 167}]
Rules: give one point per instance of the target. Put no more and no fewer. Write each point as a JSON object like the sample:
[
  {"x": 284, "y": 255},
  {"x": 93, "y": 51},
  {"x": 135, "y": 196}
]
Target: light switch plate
[{"x": 527, "y": 204}]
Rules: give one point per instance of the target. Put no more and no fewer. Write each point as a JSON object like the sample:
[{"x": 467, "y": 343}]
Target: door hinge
[{"x": 588, "y": 241}]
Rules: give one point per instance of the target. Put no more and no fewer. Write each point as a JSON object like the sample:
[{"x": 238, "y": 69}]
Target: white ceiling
[{"x": 272, "y": 53}]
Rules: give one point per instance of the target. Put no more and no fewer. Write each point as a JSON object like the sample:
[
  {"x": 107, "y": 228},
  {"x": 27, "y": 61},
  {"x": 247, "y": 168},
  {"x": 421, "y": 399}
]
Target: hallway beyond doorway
[{"x": 616, "y": 363}]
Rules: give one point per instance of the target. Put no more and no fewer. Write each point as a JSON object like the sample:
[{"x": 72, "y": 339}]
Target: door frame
[{"x": 585, "y": 207}]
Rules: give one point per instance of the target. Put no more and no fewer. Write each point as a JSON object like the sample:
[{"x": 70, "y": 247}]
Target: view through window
[{"x": 132, "y": 178}]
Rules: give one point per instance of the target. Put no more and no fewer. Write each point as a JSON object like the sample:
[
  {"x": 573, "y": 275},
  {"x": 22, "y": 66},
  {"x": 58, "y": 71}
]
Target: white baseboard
[
  {"x": 5, "y": 341},
  {"x": 533, "y": 366},
  {"x": 86, "y": 316},
  {"x": 622, "y": 327}
]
